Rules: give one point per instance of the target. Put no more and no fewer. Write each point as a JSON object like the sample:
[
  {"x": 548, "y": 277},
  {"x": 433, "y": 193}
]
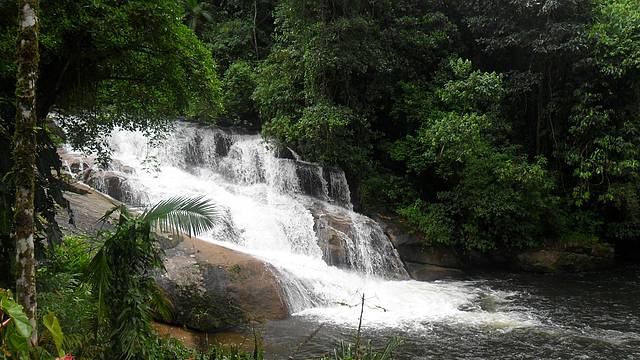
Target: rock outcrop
[
  {"x": 424, "y": 263},
  {"x": 566, "y": 259},
  {"x": 213, "y": 288},
  {"x": 112, "y": 181},
  {"x": 332, "y": 231},
  {"x": 348, "y": 240}
]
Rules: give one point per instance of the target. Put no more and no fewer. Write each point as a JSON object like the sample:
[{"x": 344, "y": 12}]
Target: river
[{"x": 574, "y": 316}]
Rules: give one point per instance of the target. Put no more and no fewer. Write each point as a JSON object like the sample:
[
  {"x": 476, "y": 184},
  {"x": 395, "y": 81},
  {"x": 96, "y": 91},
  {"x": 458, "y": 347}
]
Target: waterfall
[{"x": 295, "y": 215}]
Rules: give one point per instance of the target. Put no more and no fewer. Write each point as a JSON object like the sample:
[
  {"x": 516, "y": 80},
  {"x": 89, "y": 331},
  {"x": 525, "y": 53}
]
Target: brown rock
[{"x": 565, "y": 260}]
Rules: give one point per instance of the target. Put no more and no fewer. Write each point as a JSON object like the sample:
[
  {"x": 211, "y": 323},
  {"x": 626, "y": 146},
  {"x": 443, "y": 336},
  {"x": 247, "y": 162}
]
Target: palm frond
[
  {"x": 182, "y": 214},
  {"x": 124, "y": 213},
  {"x": 100, "y": 276}
]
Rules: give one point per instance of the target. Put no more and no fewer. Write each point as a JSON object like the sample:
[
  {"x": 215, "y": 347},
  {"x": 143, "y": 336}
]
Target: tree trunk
[
  {"x": 255, "y": 25},
  {"x": 24, "y": 157}
]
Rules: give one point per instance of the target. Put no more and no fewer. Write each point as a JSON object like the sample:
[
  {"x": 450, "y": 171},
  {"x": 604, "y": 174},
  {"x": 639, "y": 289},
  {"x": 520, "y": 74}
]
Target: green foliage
[
  {"x": 122, "y": 270},
  {"x": 335, "y": 67},
  {"x": 72, "y": 256},
  {"x": 15, "y": 332},
  {"x": 53, "y": 326},
  {"x": 486, "y": 195},
  {"x": 604, "y": 151},
  {"x": 79, "y": 331},
  {"x": 323, "y": 133},
  {"x": 63, "y": 290},
  {"x": 181, "y": 215},
  {"x": 537, "y": 140},
  {"x": 617, "y": 30},
  {"x": 196, "y": 12},
  {"x": 238, "y": 85},
  {"x": 15, "y": 329},
  {"x": 240, "y": 30},
  {"x": 351, "y": 352},
  {"x": 172, "y": 349},
  {"x": 131, "y": 64},
  {"x": 506, "y": 153},
  {"x": 382, "y": 191}
]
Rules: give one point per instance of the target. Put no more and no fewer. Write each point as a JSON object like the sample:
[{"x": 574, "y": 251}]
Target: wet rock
[
  {"x": 118, "y": 166},
  {"x": 110, "y": 183},
  {"x": 337, "y": 187},
  {"x": 78, "y": 167},
  {"x": 193, "y": 153},
  {"x": 571, "y": 259},
  {"x": 332, "y": 232},
  {"x": 424, "y": 272},
  {"x": 411, "y": 245},
  {"x": 355, "y": 242},
  {"x": 223, "y": 143},
  {"x": 116, "y": 185},
  {"x": 432, "y": 255},
  {"x": 311, "y": 180}
]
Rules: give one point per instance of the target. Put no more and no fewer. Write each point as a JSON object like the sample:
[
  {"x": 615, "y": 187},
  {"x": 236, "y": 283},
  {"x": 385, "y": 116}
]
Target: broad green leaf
[
  {"x": 53, "y": 325},
  {"x": 17, "y": 343},
  {"x": 18, "y": 317}
]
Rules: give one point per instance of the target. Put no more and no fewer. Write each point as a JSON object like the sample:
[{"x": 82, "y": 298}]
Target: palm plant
[{"x": 122, "y": 271}]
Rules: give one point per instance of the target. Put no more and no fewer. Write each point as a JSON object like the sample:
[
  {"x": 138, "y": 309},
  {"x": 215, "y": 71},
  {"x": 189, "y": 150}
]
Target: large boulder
[
  {"x": 115, "y": 184},
  {"x": 214, "y": 288},
  {"x": 332, "y": 231},
  {"x": 355, "y": 242},
  {"x": 412, "y": 246}
]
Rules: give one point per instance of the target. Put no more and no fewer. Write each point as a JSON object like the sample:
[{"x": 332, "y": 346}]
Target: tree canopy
[
  {"x": 486, "y": 125},
  {"x": 103, "y": 64}
]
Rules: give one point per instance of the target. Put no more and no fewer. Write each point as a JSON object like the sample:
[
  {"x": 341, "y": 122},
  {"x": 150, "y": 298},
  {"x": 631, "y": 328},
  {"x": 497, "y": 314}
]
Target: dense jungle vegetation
[{"x": 485, "y": 125}]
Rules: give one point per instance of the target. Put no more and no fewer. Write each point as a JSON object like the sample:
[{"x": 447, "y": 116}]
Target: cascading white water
[{"x": 293, "y": 215}]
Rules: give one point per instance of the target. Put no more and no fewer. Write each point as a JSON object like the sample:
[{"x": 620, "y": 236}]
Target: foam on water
[{"x": 264, "y": 211}]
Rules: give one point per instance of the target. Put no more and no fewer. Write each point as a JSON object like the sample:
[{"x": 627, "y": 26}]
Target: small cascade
[
  {"x": 311, "y": 204},
  {"x": 248, "y": 160},
  {"x": 338, "y": 188}
]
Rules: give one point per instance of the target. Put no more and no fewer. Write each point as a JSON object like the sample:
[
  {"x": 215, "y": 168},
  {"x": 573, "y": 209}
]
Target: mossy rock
[
  {"x": 585, "y": 259},
  {"x": 213, "y": 288}
]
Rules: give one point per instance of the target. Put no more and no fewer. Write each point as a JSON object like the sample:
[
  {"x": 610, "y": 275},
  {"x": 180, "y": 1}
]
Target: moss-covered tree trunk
[{"x": 24, "y": 157}]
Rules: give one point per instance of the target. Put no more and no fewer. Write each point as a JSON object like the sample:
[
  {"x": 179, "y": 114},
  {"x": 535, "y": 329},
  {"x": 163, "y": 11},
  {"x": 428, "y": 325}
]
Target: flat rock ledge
[{"x": 428, "y": 263}]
